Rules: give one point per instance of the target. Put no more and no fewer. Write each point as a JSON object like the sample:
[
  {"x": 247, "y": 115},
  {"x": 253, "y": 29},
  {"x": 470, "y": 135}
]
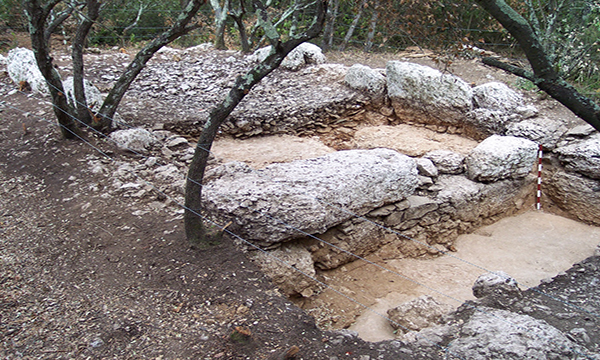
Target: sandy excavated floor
[{"x": 529, "y": 247}]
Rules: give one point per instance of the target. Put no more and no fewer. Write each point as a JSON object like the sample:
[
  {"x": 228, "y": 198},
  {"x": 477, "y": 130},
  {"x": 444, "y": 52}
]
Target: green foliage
[
  {"x": 526, "y": 85},
  {"x": 11, "y": 15},
  {"x": 429, "y": 24},
  {"x": 570, "y": 33},
  {"x": 156, "y": 16}
]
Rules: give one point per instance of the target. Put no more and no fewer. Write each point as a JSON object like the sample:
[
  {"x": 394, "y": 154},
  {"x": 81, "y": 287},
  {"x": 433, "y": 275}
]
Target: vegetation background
[{"x": 569, "y": 30}]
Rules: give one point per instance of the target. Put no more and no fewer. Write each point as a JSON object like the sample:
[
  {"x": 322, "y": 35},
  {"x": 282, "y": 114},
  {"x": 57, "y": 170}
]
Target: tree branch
[
  {"x": 511, "y": 69},
  {"x": 59, "y": 19},
  {"x": 544, "y": 75},
  {"x": 194, "y": 226},
  {"x": 137, "y": 19},
  {"x": 93, "y": 11},
  {"x": 109, "y": 107}
]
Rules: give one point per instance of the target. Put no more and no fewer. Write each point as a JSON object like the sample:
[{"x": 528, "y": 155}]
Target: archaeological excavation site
[{"x": 399, "y": 209}]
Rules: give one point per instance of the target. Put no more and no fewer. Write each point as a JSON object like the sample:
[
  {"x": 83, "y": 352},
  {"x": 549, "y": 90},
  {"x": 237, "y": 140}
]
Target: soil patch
[{"x": 90, "y": 273}]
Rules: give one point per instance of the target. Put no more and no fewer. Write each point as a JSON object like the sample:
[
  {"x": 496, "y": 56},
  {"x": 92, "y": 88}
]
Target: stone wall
[{"x": 324, "y": 212}]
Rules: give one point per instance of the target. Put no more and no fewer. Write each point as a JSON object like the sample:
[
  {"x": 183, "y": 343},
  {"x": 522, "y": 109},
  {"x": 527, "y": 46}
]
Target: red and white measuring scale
[{"x": 539, "y": 180}]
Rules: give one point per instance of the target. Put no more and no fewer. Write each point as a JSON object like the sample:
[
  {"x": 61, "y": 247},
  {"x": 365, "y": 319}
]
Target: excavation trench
[{"x": 531, "y": 246}]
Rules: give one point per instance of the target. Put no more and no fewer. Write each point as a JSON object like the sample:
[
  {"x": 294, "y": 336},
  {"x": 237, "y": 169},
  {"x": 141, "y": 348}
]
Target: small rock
[
  {"x": 96, "y": 343},
  {"x": 135, "y": 140},
  {"x": 580, "y": 334},
  {"x": 581, "y": 131},
  {"x": 447, "y": 162},
  {"x": 426, "y": 167},
  {"x": 497, "y": 289},
  {"x": 417, "y": 314}
]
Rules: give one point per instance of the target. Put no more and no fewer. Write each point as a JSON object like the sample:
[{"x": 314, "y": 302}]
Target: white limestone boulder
[
  {"x": 446, "y": 161},
  {"x": 544, "y": 131},
  {"x": 582, "y": 156},
  {"x": 21, "y": 66},
  {"x": 578, "y": 195},
  {"x": 496, "y": 96},
  {"x": 492, "y": 122},
  {"x": 135, "y": 140},
  {"x": 421, "y": 92},
  {"x": 303, "y": 54},
  {"x": 363, "y": 78},
  {"x": 92, "y": 94},
  {"x": 289, "y": 200},
  {"x": 501, "y": 157},
  {"x": 277, "y": 265},
  {"x": 418, "y": 314},
  {"x": 501, "y": 334}
]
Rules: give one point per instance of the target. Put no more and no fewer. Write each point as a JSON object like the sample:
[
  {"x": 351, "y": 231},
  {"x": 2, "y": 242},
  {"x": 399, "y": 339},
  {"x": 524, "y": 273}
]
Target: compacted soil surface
[{"x": 87, "y": 271}]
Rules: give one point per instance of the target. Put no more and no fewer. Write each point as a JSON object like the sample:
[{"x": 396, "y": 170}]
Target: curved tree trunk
[
  {"x": 103, "y": 121},
  {"x": 220, "y": 20},
  {"x": 194, "y": 225},
  {"x": 332, "y": 14},
  {"x": 37, "y": 16},
  {"x": 93, "y": 10},
  {"x": 543, "y": 75}
]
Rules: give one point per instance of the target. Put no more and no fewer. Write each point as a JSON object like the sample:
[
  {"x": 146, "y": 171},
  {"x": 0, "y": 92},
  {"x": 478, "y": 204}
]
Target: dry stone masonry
[
  {"x": 453, "y": 193},
  {"x": 319, "y": 213}
]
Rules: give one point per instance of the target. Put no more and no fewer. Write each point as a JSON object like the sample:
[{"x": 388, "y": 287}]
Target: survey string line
[
  {"x": 567, "y": 303},
  {"x": 294, "y": 268}
]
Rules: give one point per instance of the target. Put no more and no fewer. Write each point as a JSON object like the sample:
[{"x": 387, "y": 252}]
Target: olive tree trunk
[
  {"x": 37, "y": 15},
  {"x": 180, "y": 27},
  {"x": 194, "y": 225},
  {"x": 93, "y": 11},
  {"x": 38, "y": 12}
]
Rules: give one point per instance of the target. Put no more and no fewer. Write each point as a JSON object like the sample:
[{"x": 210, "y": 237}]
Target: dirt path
[{"x": 529, "y": 247}]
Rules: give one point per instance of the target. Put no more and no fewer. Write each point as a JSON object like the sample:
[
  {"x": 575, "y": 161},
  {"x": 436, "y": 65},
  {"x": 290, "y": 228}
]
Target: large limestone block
[
  {"x": 277, "y": 264},
  {"x": 470, "y": 200},
  {"x": 544, "y": 131},
  {"x": 418, "y": 314},
  {"x": 290, "y": 200},
  {"x": 414, "y": 88},
  {"x": 135, "y": 140},
  {"x": 364, "y": 78},
  {"x": 488, "y": 122},
  {"x": 501, "y": 157},
  {"x": 577, "y": 194},
  {"x": 496, "y": 96},
  {"x": 446, "y": 161},
  {"x": 501, "y": 334},
  {"x": 21, "y": 66},
  {"x": 582, "y": 157}
]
